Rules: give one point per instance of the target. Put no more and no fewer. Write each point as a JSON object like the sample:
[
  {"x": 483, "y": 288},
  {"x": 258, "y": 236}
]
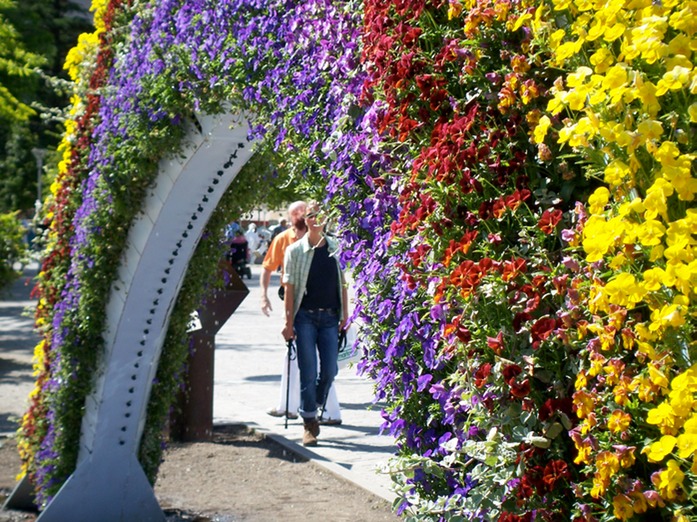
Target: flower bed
[{"x": 514, "y": 190}]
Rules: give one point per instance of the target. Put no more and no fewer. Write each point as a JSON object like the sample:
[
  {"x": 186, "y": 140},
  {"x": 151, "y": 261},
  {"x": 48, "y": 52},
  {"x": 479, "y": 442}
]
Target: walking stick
[{"x": 289, "y": 343}]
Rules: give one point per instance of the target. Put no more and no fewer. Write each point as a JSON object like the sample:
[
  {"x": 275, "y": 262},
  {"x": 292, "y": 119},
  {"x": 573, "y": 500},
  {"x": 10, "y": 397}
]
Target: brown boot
[{"x": 311, "y": 432}]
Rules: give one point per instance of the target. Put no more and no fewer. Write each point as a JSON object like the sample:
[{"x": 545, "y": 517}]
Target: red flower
[
  {"x": 496, "y": 343},
  {"x": 551, "y": 406},
  {"x": 512, "y": 268},
  {"x": 520, "y": 389},
  {"x": 512, "y": 517},
  {"x": 419, "y": 253},
  {"x": 549, "y": 220},
  {"x": 510, "y": 372},
  {"x": 555, "y": 471},
  {"x": 532, "y": 482},
  {"x": 541, "y": 330},
  {"x": 482, "y": 374},
  {"x": 461, "y": 331}
]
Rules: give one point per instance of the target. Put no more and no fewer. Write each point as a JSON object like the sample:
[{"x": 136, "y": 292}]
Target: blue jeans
[{"x": 316, "y": 331}]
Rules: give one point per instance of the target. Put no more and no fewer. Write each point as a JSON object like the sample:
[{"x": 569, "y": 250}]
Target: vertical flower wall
[
  {"x": 514, "y": 189},
  {"x": 463, "y": 336},
  {"x": 628, "y": 109},
  {"x": 524, "y": 237}
]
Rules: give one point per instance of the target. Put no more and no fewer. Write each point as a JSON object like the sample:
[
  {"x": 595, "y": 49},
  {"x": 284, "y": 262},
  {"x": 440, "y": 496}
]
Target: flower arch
[{"x": 515, "y": 192}]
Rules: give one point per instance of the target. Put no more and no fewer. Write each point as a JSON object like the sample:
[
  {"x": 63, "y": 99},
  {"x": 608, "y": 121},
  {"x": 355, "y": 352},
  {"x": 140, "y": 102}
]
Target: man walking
[{"x": 290, "y": 380}]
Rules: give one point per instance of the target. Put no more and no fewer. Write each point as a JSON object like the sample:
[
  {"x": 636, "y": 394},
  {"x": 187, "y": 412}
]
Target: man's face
[{"x": 297, "y": 218}]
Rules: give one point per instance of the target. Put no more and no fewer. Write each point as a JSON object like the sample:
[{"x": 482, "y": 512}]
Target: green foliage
[
  {"x": 35, "y": 36},
  {"x": 16, "y": 64},
  {"x": 12, "y": 246}
]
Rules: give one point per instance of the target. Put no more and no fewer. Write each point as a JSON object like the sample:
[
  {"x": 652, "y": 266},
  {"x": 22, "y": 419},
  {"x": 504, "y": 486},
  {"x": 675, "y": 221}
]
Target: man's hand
[
  {"x": 288, "y": 332},
  {"x": 266, "y": 305},
  {"x": 264, "y": 280}
]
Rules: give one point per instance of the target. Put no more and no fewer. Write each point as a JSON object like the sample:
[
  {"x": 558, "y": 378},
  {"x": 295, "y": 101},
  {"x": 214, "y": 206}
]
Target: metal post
[
  {"x": 195, "y": 419},
  {"x": 39, "y": 155}
]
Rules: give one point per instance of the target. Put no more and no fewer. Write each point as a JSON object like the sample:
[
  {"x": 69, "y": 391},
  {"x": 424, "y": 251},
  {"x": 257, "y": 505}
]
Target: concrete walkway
[{"x": 248, "y": 362}]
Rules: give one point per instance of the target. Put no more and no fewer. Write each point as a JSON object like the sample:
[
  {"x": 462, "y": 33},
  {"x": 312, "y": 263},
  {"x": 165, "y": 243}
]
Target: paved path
[
  {"x": 248, "y": 362},
  {"x": 17, "y": 341}
]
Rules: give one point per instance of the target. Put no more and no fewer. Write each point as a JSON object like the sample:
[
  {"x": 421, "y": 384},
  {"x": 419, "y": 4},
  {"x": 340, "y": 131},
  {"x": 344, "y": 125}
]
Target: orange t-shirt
[{"x": 273, "y": 260}]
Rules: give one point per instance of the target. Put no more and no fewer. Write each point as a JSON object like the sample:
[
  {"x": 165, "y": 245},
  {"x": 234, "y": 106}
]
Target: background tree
[{"x": 35, "y": 37}]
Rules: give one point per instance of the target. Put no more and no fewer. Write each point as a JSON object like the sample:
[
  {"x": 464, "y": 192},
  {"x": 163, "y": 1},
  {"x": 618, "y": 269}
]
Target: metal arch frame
[{"x": 109, "y": 483}]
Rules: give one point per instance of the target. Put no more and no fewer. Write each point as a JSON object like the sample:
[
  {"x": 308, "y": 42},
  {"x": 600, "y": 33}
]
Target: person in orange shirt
[{"x": 273, "y": 260}]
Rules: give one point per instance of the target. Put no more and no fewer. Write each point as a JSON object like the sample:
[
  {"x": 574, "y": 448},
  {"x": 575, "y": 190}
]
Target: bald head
[{"x": 296, "y": 214}]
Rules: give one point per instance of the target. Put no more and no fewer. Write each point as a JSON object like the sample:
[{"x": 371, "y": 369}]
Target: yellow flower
[
  {"x": 584, "y": 403},
  {"x": 597, "y": 361},
  {"x": 581, "y": 380},
  {"x": 656, "y": 201},
  {"x": 541, "y": 129},
  {"x": 598, "y": 238},
  {"x": 566, "y": 51},
  {"x": 687, "y": 442},
  {"x": 583, "y": 453},
  {"x": 667, "y": 153},
  {"x": 623, "y": 290},
  {"x": 685, "y": 20},
  {"x": 650, "y": 232},
  {"x": 622, "y": 507},
  {"x": 561, "y": 5},
  {"x": 646, "y": 91},
  {"x": 657, "y": 451},
  {"x": 596, "y": 30},
  {"x": 692, "y": 111},
  {"x": 673, "y": 80},
  {"x": 650, "y": 129},
  {"x": 614, "y": 32},
  {"x": 617, "y": 172},
  {"x": 588, "y": 423},
  {"x": 658, "y": 377},
  {"x": 647, "y": 39},
  {"x": 87, "y": 45},
  {"x": 653, "y": 278},
  {"x": 608, "y": 464},
  {"x": 677, "y": 254},
  {"x": 667, "y": 315},
  {"x": 679, "y": 175},
  {"x": 646, "y": 349},
  {"x": 687, "y": 380},
  {"x": 639, "y": 503},
  {"x": 619, "y": 421},
  {"x": 670, "y": 480},
  {"x": 39, "y": 358},
  {"x": 621, "y": 393},
  {"x": 680, "y": 45},
  {"x": 598, "y": 200},
  {"x": 454, "y": 9},
  {"x": 615, "y": 78},
  {"x": 556, "y": 37},
  {"x": 521, "y": 21},
  {"x": 618, "y": 261},
  {"x": 682, "y": 402},
  {"x": 656, "y": 253}
]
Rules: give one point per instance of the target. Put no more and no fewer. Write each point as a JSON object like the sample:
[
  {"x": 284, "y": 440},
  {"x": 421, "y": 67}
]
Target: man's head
[
  {"x": 296, "y": 215},
  {"x": 315, "y": 218}
]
